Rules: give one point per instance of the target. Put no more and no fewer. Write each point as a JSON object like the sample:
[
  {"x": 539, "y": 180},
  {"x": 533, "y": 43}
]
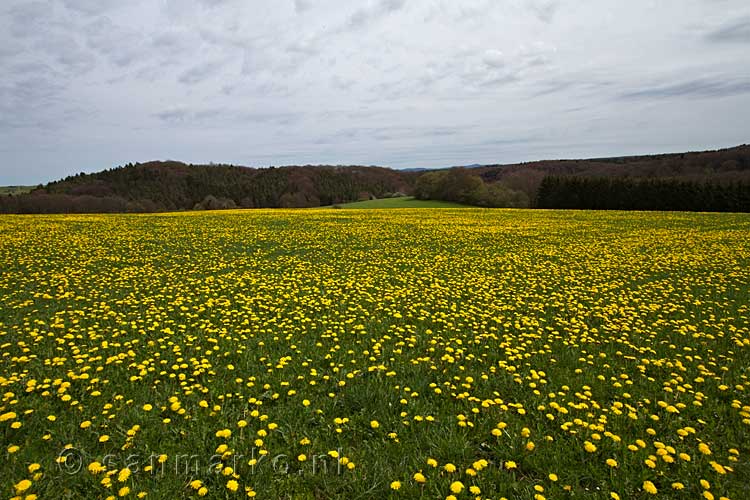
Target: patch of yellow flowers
[{"x": 458, "y": 353}]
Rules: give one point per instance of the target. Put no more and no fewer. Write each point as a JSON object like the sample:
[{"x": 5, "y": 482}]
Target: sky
[{"x": 92, "y": 84}]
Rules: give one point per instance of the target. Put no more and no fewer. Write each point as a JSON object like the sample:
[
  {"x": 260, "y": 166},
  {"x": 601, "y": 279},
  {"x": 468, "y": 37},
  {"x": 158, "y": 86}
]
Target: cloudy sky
[{"x": 91, "y": 84}]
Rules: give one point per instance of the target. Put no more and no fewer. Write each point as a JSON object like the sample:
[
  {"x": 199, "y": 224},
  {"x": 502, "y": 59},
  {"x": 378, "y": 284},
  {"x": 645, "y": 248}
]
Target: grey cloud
[
  {"x": 215, "y": 3},
  {"x": 389, "y": 134},
  {"x": 302, "y": 5},
  {"x": 434, "y": 82},
  {"x": 200, "y": 72},
  {"x": 173, "y": 115},
  {"x": 265, "y": 87},
  {"x": 442, "y": 131},
  {"x": 500, "y": 79},
  {"x": 491, "y": 71},
  {"x": 366, "y": 15},
  {"x": 69, "y": 55},
  {"x": 170, "y": 41},
  {"x": 169, "y": 47},
  {"x": 413, "y": 133},
  {"x": 279, "y": 61},
  {"x": 45, "y": 35},
  {"x": 363, "y": 113},
  {"x": 9, "y": 50},
  {"x": 579, "y": 84},
  {"x": 28, "y": 20},
  {"x": 117, "y": 44},
  {"x": 306, "y": 47},
  {"x": 510, "y": 141},
  {"x": 536, "y": 54},
  {"x": 574, "y": 109},
  {"x": 91, "y": 7},
  {"x": 544, "y": 10},
  {"x": 29, "y": 69},
  {"x": 493, "y": 68},
  {"x": 696, "y": 88},
  {"x": 471, "y": 14},
  {"x": 337, "y": 137},
  {"x": 30, "y": 102},
  {"x": 737, "y": 30},
  {"x": 342, "y": 83},
  {"x": 225, "y": 37},
  {"x": 36, "y": 90},
  {"x": 553, "y": 87},
  {"x": 219, "y": 117},
  {"x": 396, "y": 89},
  {"x": 483, "y": 152},
  {"x": 251, "y": 62}
]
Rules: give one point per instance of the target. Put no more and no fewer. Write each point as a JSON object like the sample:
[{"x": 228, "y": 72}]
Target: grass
[
  {"x": 6, "y": 190},
  {"x": 314, "y": 354},
  {"x": 400, "y": 202}
]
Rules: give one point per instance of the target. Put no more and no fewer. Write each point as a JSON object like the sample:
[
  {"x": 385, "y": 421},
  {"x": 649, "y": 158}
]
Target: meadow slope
[
  {"x": 400, "y": 202},
  {"x": 374, "y": 354}
]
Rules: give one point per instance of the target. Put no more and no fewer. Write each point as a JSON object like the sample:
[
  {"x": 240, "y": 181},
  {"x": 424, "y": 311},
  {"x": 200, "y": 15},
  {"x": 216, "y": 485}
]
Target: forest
[
  {"x": 622, "y": 193},
  {"x": 171, "y": 186},
  {"x": 711, "y": 181},
  {"x": 694, "y": 181}
]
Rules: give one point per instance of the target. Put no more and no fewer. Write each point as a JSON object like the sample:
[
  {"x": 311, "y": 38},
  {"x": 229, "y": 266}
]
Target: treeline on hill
[
  {"x": 624, "y": 193},
  {"x": 701, "y": 181},
  {"x": 163, "y": 186}
]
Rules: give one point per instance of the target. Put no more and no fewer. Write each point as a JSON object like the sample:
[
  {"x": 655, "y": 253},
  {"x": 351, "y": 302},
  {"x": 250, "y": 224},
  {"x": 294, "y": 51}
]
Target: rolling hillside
[
  {"x": 710, "y": 180},
  {"x": 160, "y": 186}
]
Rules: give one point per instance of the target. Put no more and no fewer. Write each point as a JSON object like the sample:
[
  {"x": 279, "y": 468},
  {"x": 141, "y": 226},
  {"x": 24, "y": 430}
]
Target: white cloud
[
  {"x": 406, "y": 83},
  {"x": 494, "y": 58}
]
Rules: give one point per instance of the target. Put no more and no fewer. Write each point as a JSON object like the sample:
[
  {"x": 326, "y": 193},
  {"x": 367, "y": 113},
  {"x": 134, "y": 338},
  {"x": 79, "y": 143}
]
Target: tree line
[
  {"x": 460, "y": 185},
  {"x": 701, "y": 181},
  {"x": 624, "y": 193},
  {"x": 716, "y": 181},
  {"x": 168, "y": 186}
]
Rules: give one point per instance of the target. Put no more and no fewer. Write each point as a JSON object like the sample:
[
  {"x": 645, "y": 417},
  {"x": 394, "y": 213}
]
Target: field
[
  {"x": 456, "y": 353},
  {"x": 400, "y": 202},
  {"x": 14, "y": 190}
]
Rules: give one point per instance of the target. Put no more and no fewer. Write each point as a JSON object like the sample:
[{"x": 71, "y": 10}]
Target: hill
[
  {"x": 710, "y": 180},
  {"x": 723, "y": 166},
  {"x": 171, "y": 185},
  {"x": 696, "y": 181}
]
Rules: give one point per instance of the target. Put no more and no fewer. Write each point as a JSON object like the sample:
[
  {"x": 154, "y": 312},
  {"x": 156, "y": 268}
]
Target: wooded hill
[
  {"x": 162, "y": 186},
  {"x": 699, "y": 181},
  {"x": 710, "y": 180}
]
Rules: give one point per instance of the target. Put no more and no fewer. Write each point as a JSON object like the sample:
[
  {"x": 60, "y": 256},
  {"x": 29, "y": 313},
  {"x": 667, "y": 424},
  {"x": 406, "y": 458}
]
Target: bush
[
  {"x": 462, "y": 186},
  {"x": 211, "y": 202}
]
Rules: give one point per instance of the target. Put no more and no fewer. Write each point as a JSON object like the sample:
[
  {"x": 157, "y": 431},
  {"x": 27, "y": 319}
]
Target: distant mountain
[
  {"x": 428, "y": 169},
  {"x": 171, "y": 185},
  {"x": 417, "y": 169}
]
